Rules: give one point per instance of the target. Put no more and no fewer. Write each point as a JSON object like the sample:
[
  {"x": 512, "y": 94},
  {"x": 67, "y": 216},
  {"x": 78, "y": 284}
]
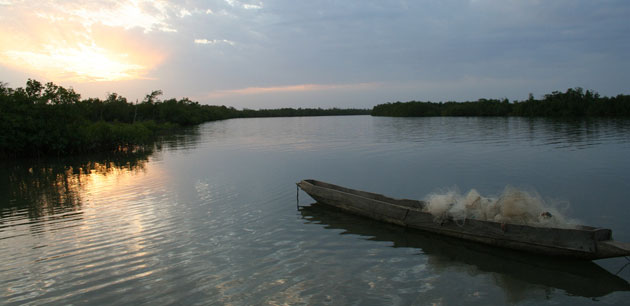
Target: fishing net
[{"x": 514, "y": 206}]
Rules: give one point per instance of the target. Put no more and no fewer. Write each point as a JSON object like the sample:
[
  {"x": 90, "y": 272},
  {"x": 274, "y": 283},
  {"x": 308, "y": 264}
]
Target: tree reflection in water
[{"x": 54, "y": 187}]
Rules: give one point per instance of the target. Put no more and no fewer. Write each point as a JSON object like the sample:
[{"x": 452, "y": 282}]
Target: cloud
[
  {"x": 81, "y": 62},
  {"x": 251, "y": 49},
  {"x": 146, "y": 15},
  {"x": 253, "y": 6},
  {"x": 183, "y": 13},
  {"x": 204, "y": 41},
  {"x": 87, "y": 41},
  {"x": 287, "y": 88},
  {"x": 247, "y": 6}
]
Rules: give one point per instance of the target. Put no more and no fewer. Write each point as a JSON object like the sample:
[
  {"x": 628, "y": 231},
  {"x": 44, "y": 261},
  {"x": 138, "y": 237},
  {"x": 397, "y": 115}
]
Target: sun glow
[
  {"x": 93, "y": 41},
  {"x": 288, "y": 88},
  {"x": 80, "y": 63}
]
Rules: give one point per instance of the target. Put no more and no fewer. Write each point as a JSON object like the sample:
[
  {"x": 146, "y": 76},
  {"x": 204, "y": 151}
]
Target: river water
[{"x": 210, "y": 215}]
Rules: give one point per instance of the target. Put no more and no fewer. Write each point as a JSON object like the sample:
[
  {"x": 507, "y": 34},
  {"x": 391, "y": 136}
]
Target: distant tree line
[
  {"x": 575, "y": 102},
  {"x": 292, "y": 112},
  {"x": 47, "y": 119}
]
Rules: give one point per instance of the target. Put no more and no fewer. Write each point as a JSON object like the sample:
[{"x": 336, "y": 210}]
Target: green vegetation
[
  {"x": 41, "y": 120},
  {"x": 572, "y": 103}
]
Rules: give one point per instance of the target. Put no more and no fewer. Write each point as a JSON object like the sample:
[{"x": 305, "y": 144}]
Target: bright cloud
[
  {"x": 250, "y": 51},
  {"x": 204, "y": 41},
  {"x": 82, "y": 63},
  {"x": 85, "y": 41},
  {"x": 247, "y": 6},
  {"x": 252, "y": 6},
  {"x": 147, "y": 15}
]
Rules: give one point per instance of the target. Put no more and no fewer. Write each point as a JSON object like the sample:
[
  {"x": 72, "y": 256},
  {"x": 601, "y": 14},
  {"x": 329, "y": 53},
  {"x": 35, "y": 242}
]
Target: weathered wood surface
[{"x": 584, "y": 242}]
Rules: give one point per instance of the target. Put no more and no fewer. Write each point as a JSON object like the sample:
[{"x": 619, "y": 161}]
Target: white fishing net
[{"x": 512, "y": 206}]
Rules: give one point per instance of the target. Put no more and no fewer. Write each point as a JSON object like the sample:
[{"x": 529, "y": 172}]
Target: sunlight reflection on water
[{"x": 209, "y": 216}]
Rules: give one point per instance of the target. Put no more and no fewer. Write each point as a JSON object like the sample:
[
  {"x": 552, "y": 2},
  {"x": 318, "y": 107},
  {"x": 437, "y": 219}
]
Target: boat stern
[{"x": 611, "y": 248}]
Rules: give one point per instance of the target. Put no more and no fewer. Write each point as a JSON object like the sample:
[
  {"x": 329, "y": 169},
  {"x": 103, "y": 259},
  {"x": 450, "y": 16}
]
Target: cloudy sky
[{"x": 278, "y": 53}]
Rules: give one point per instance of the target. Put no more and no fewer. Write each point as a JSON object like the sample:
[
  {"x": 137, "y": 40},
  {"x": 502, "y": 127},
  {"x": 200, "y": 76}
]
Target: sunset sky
[{"x": 287, "y": 53}]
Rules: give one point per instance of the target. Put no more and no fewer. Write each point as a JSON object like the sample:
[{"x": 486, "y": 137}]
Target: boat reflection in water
[{"x": 518, "y": 275}]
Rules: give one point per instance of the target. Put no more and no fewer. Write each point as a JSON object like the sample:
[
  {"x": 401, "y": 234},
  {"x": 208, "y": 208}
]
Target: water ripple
[{"x": 212, "y": 219}]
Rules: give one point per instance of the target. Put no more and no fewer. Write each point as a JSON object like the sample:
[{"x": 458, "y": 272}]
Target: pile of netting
[{"x": 512, "y": 206}]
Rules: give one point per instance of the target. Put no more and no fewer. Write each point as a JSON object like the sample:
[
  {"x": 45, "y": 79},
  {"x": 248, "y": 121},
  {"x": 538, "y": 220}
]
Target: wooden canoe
[{"x": 582, "y": 242}]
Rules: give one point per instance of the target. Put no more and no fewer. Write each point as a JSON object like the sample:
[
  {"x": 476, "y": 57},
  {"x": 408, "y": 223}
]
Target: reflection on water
[
  {"x": 78, "y": 225},
  {"x": 208, "y": 215},
  {"x": 51, "y": 188},
  {"x": 554, "y": 132},
  {"x": 39, "y": 188},
  {"x": 578, "y": 133},
  {"x": 182, "y": 139},
  {"x": 520, "y": 276}
]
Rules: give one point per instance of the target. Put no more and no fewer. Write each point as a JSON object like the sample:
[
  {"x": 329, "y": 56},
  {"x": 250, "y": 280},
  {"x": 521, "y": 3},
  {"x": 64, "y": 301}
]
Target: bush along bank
[
  {"x": 575, "y": 102},
  {"x": 47, "y": 119}
]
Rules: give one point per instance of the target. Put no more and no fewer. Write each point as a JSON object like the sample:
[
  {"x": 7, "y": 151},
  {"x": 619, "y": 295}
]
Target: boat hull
[{"x": 582, "y": 242}]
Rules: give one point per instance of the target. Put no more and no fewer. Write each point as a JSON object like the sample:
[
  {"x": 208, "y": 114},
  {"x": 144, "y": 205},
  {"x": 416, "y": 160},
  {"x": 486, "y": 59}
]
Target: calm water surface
[{"x": 209, "y": 217}]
